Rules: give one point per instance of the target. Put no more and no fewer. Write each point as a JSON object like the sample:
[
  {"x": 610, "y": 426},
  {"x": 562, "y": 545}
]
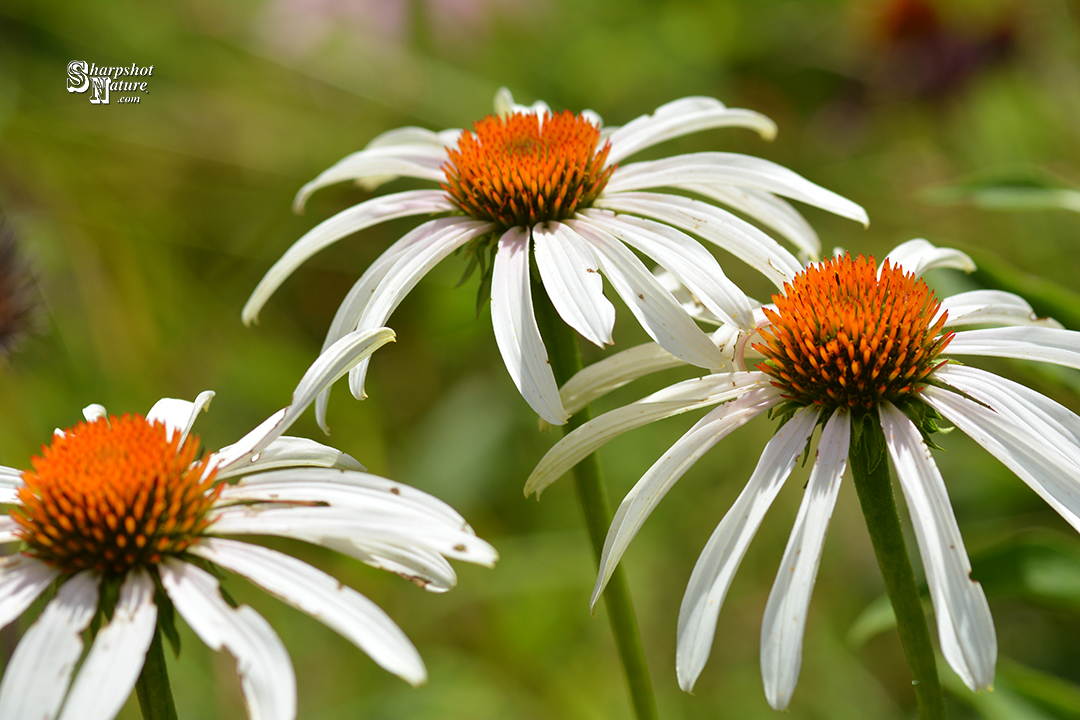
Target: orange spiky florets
[
  {"x": 845, "y": 335},
  {"x": 524, "y": 169},
  {"x": 114, "y": 494}
]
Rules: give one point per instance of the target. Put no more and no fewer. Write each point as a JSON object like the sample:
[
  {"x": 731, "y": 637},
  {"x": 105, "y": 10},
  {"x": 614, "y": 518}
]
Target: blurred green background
[{"x": 147, "y": 225}]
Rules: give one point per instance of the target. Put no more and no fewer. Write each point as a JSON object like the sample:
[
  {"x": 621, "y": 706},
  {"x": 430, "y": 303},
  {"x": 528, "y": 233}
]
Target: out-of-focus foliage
[{"x": 147, "y": 225}]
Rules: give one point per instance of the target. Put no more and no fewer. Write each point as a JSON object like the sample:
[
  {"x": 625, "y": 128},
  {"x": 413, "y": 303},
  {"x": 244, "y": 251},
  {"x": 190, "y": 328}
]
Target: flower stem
[
  {"x": 868, "y": 459},
  {"x": 152, "y": 688},
  {"x": 565, "y": 358}
]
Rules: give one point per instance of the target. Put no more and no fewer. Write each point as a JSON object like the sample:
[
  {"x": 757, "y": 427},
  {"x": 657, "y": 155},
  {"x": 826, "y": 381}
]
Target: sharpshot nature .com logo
[{"x": 102, "y": 81}]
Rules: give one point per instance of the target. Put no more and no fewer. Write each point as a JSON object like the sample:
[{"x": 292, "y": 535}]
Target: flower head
[
  {"x": 526, "y": 185},
  {"x": 128, "y": 502},
  {"x": 845, "y": 342}
]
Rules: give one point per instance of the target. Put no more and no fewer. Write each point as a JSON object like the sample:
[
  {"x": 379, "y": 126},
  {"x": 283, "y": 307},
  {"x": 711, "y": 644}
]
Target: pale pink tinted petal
[
  {"x": 516, "y": 332},
  {"x": 682, "y": 117},
  {"x": 659, "y": 313},
  {"x": 713, "y": 224},
  {"x": 22, "y": 580},
  {"x": 665, "y": 472},
  {"x": 673, "y": 400},
  {"x": 965, "y": 628},
  {"x": 116, "y": 658},
  {"x": 784, "y": 624},
  {"x": 340, "y": 608},
  {"x": 38, "y": 674},
  {"x": 684, "y": 258},
  {"x": 266, "y": 673},
  {"x": 718, "y": 562},
  {"x": 366, "y": 214},
  {"x": 572, "y": 280}
]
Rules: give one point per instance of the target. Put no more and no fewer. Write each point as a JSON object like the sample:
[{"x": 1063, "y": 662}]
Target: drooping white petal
[
  {"x": 22, "y": 579},
  {"x": 516, "y": 332},
  {"x": 293, "y": 452},
  {"x": 654, "y": 307},
  {"x": 682, "y": 117},
  {"x": 359, "y": 480},
  {"x": 665, "y": 472},
  {"x": 678, "y": 398},
  {"x": 327, "y": 368},
  {"x": 768, "y": 210},
  {"x": 10, "y": 482},
  {"x": 37, "y": 676},
  {"x": 1042, "y": 465},
  {"x": 718, "y": 562},
  {"x": 991, "y": 307},
  {"x": 784, "y": 624},
  {"x": 714, "y": 224},
  {"x": 266, "y": 673},
  {"x": 316, "y": 524},
  {"x": 917, "y": 256},
  {"x": 406, "y": 142},
  {"x": 715, "y": 168},
  {"x": 116, "y": 658},
  {"x": 1044, "y": 344},
  {"x": 965, "y": 628},
  {"x": 685, "y": 258},
  {"x": 93, "y": 412},
  {"x": 424, "y": 568},
  {"x": 375, "y": 166},
  {"x": 403, "y": 275},
  {"x": 571, "y": 276},
  {"x": 599, "y": 378},
  {"x": 179, "y": 415},
  {"x": 364, "y": 215},
  {"x": 324, "y": 598}
]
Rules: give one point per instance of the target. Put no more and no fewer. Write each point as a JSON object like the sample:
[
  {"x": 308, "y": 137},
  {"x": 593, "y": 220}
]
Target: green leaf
[{"x": 1026, "y": 189}]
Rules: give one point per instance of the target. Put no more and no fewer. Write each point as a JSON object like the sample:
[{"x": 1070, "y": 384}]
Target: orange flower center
[
  {"x": 114, "y": 494},
  {"x": 844, "y": 335},
  {"x": 524, "y": 169}
]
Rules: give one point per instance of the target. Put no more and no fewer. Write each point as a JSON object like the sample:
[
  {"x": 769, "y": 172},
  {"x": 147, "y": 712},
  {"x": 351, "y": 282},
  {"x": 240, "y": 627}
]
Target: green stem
[
  {"x": 868, "y": 458},
  {"x": 565, "y": 360},
  {"x": 155, "y": 695}
]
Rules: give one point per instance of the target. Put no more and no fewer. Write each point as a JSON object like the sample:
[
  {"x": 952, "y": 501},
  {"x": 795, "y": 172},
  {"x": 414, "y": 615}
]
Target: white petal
[
  {"x": 784, "y": 623},
  {"x": 572, "y": 280},
  {"x": 38, "y": 674},
  {"x": 965, "y": 628},
  {"x": 654, "y": 307},
  {"x": 10, "y": 482},
  {"x": 116, "y": 658},
  {"x": 1043, "y": 344},
  {"x": 603, "y": 376},
  {"x": 317, "y": 524},
  {"x": 93, "y": 412},
  {"x": 714, "y": 168},
  {"x": 324, "y": 598},
  {"x": 714, "y": 224},
  {"x": 327, "y": 368},
  {"x": 682, "y": 117},
  {"x": 516, "y": 332},
  {"x": 364, "y": 215},
  {"x": 424, "y": 568},
  {"x": 917, "y": 256},
  {"x": 685, "y": 258},
  {"x": 991, "y": 307},
  {"x": 375, "y": 166},
  {"x": 665, "y": 472},
  {"x": 718, "y": 562},
  {"x": 1044, "y": 467},
  {"x": 266, "y": 674},
  {"x": 179, "y": 415},
  {"x": 770, "y": 211},
  {"x": 8, "y": 528},
  {"x": 22, "y": 580},
  {"x": 289, "y": 452},
  {"x": 401, "y": 277},
  {"x": 678, "y": 398}
]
